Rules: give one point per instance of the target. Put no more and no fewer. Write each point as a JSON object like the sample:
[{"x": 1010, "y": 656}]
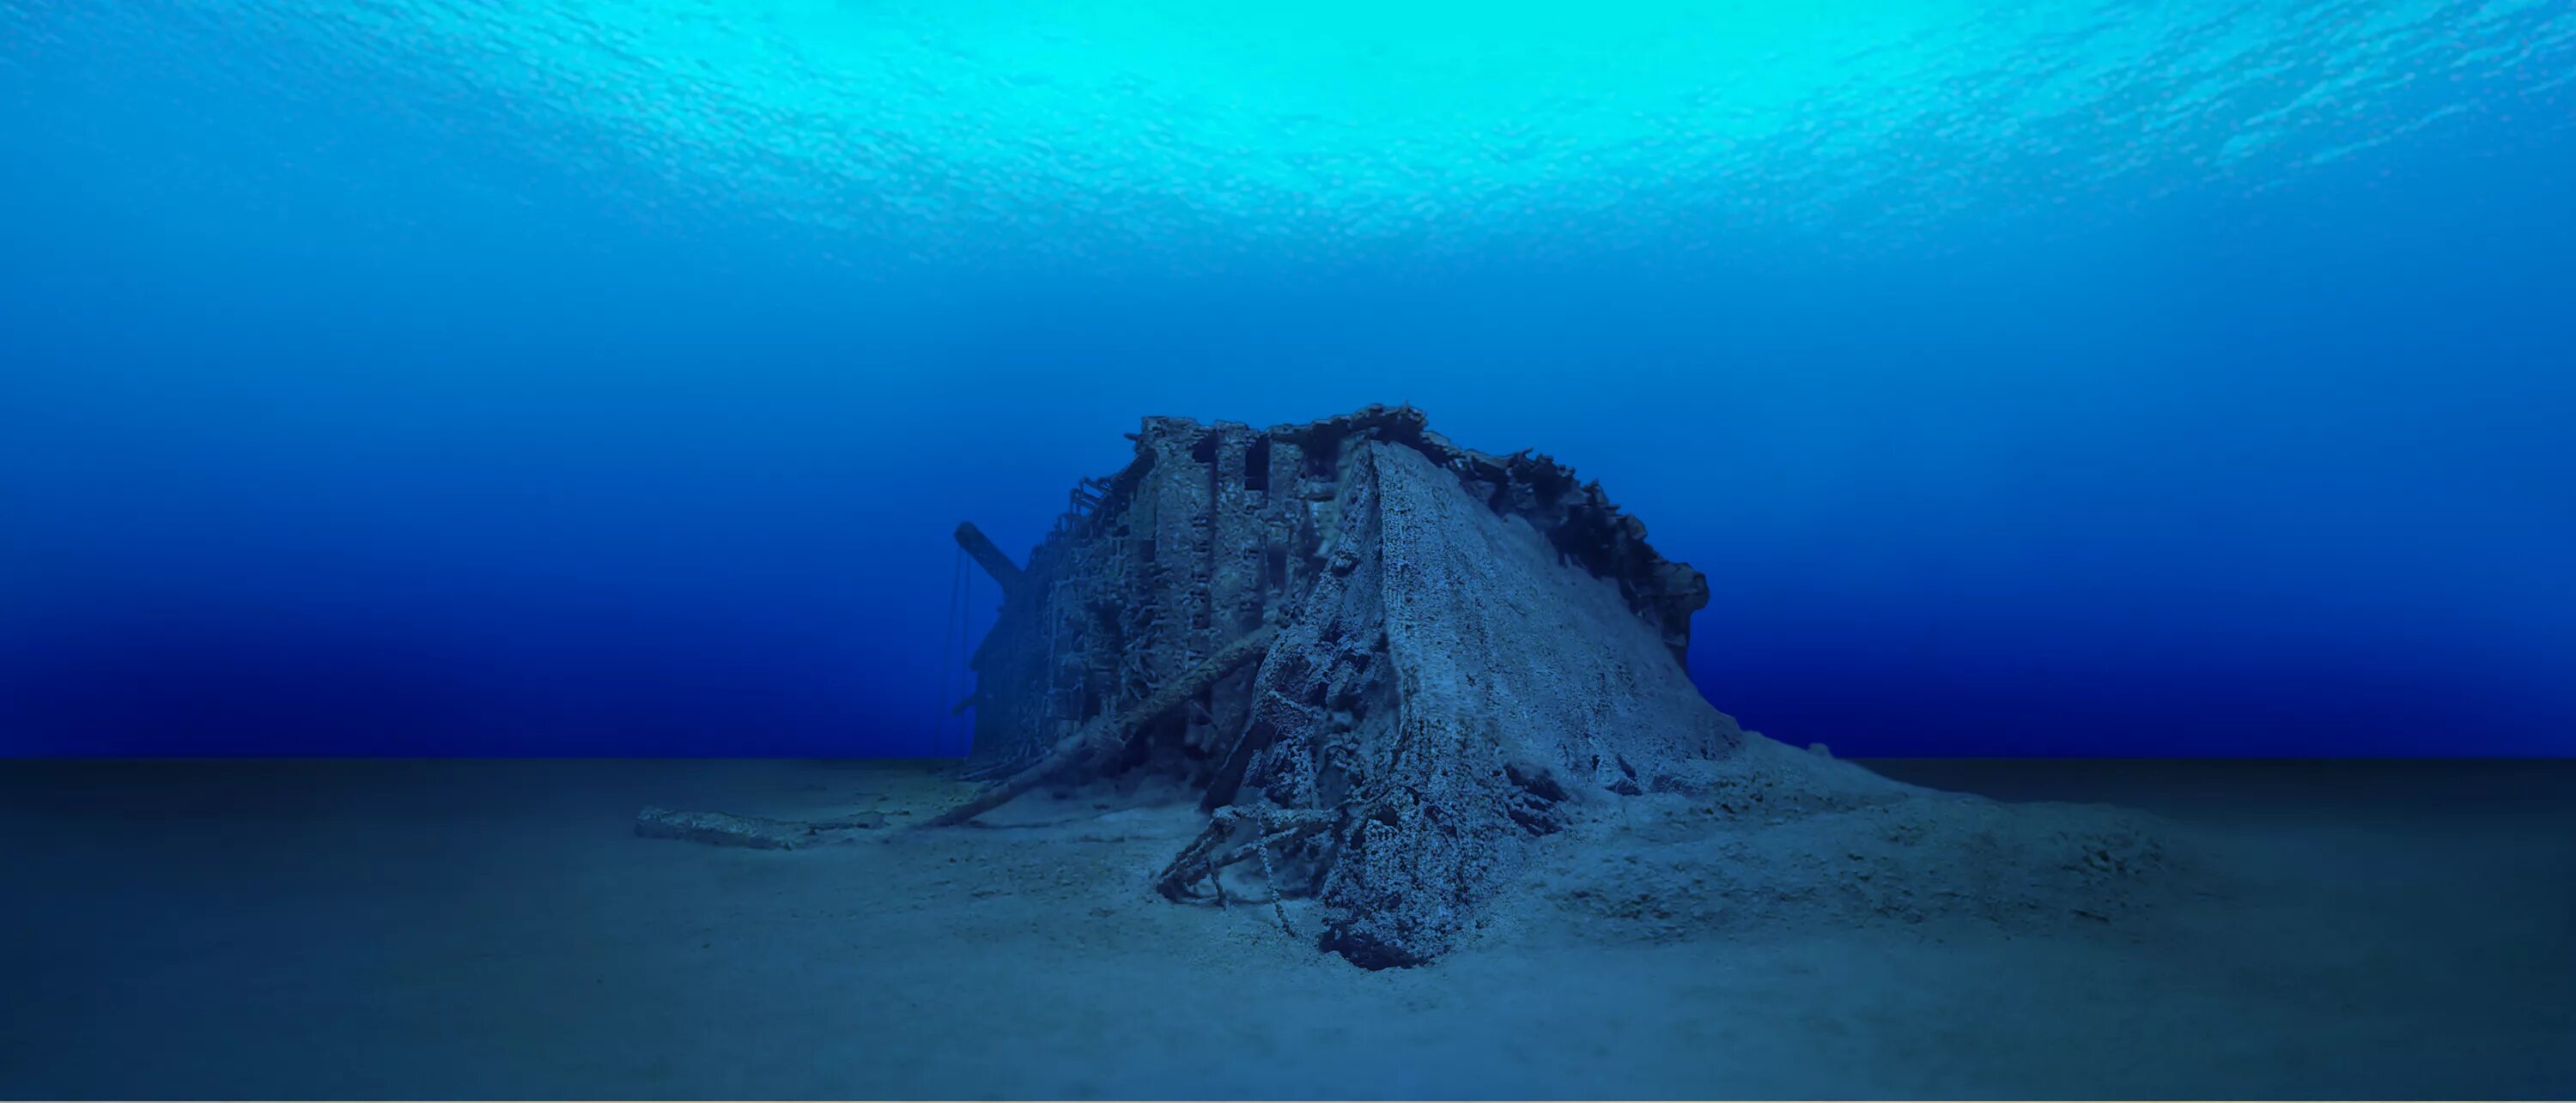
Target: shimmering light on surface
[{"x": 1329, "y": 124}]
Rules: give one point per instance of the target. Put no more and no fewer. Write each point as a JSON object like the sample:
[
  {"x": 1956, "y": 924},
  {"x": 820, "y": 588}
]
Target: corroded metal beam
[
  {"x": 1103, "y": 738},
  {"x": 989, "y": 557}
]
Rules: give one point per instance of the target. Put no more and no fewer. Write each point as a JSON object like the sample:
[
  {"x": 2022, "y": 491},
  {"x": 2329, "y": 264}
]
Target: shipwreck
[{"x": 1390, "y": 665}]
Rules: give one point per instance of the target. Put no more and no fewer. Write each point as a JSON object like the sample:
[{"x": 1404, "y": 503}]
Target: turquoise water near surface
[{"x": 2034, "y": 378}]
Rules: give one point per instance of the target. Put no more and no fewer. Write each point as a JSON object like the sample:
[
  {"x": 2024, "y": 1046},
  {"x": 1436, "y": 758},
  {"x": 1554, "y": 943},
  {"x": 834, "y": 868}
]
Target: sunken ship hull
[{"x": 1391, "y": 664}]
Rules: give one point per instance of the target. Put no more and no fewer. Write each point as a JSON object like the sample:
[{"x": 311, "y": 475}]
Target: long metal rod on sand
[{"x": 1097, "y": 741}]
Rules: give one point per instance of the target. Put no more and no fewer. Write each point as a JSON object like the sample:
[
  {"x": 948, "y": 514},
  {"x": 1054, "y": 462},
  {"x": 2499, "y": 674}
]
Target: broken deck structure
[{"x": 1395, "y": 660}]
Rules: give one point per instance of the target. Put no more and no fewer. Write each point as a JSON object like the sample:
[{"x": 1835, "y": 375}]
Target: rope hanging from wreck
[
  {"x": 963, "y": 659},
  {"x": 948, "y": 654}
]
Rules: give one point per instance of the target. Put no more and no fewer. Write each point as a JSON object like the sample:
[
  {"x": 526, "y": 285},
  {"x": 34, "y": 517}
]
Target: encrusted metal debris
[{"x": 1406, "y": 658}]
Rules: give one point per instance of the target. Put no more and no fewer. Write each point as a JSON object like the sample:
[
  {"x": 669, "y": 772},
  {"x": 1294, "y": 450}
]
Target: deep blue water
[{"x": 414, "y": 378}]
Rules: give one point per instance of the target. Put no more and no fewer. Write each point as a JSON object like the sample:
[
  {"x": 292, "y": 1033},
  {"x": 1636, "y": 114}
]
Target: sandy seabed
[{"x": 465, "y": 929}]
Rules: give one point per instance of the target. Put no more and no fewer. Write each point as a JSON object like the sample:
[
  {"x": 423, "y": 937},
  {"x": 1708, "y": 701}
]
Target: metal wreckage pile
[{"x": 1391, "y": 664}]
